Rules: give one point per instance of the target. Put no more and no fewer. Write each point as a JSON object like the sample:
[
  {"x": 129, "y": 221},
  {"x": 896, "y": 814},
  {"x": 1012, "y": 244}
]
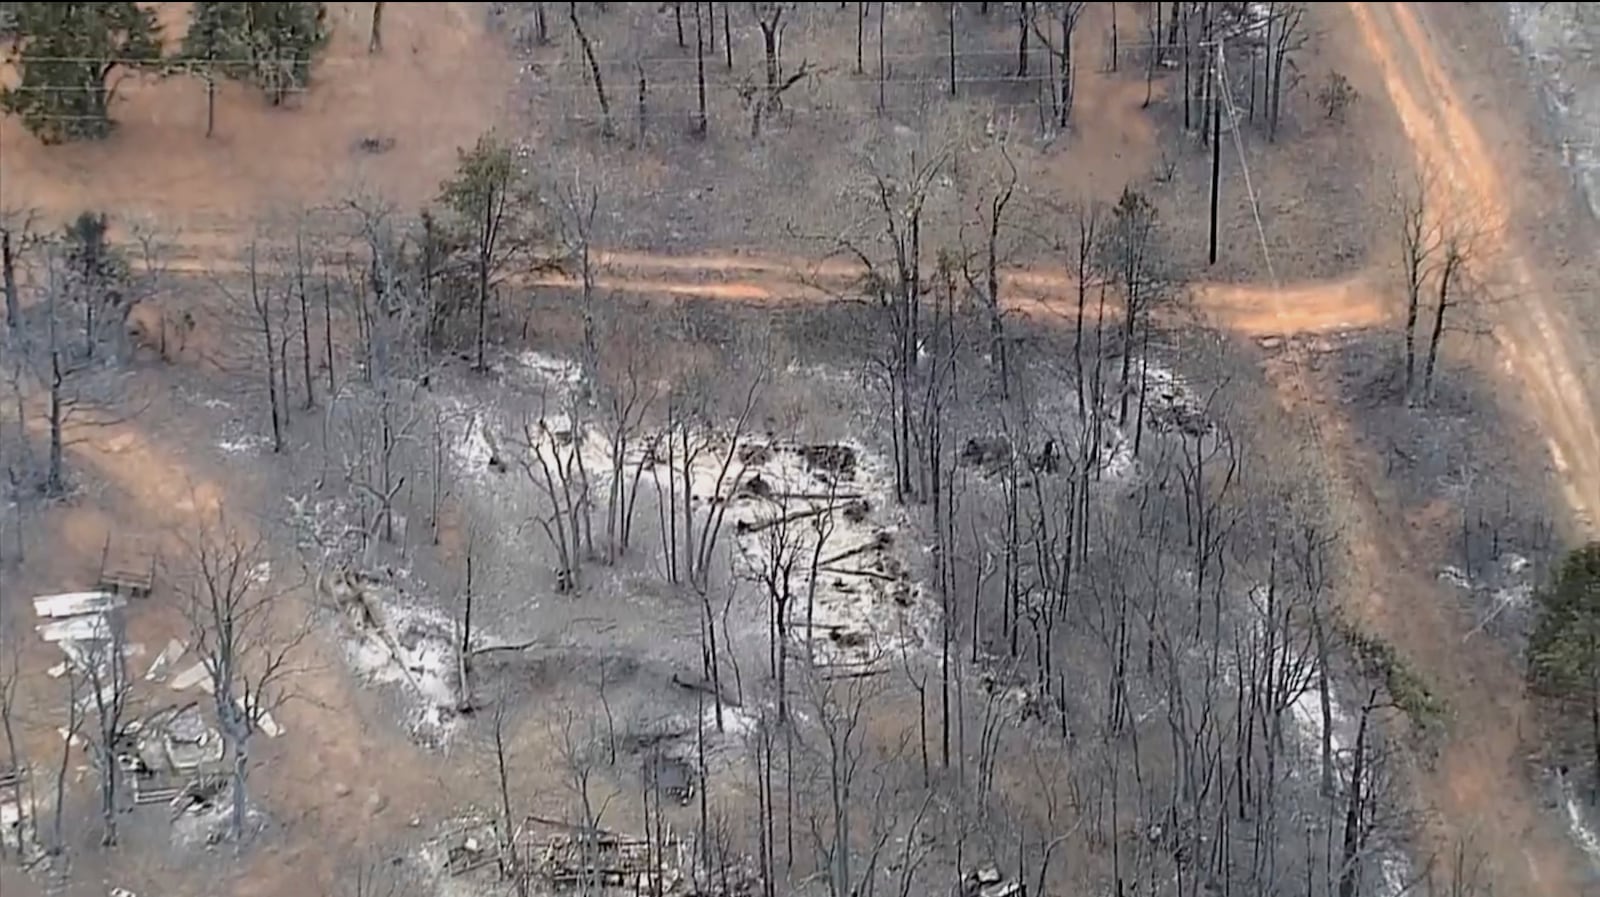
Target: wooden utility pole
[{"x": 1216, "y": 156}]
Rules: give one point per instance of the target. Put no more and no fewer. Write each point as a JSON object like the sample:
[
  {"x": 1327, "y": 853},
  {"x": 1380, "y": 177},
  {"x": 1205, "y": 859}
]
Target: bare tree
[
  {"x": 606, "y": 128},
  {"x": 73, "y": 724},
  {"x": 990, "y": 287},
  {"x": 582, "y": 752},
  {"x": 27, "y": 828},
  {"x": 895, "y": 285},
  {"x": 1285, "y": 37},
  {"x": 1055, "y": 24},
  {"x": 243, "y": 639},
  {"x": 105, "y": 675},
  {"x": 627, "y": 390},
  {"x": 767, "y": 99},
  {"x": 511, "y": 862},
  {"x": 553, "y": 461},
  {"x": 1455, "y": 255},
  {"x": 381, "y": 432},
  {"x": 839, "y": 708},
  {"x": 1420, "y": 240}
]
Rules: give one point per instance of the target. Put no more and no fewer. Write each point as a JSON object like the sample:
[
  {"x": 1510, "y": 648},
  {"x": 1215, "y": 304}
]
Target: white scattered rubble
[
  {"x": 194, "y": 675},
  {"x": 164, "y": 661}
]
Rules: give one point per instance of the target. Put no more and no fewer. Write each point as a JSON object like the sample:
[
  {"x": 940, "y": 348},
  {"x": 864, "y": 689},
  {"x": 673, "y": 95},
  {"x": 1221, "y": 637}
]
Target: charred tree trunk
[
  {"x": 8, "y": 277},
  {"x": 701, "y": 124},
  {"x": 594, "y": 69}
]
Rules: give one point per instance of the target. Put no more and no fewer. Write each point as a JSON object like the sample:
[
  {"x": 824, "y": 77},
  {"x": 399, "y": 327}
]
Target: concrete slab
[
  {"x": 189, "y": 678},
  {"x": 87, "y": 628},
  {"x": 72, "y": 604}
]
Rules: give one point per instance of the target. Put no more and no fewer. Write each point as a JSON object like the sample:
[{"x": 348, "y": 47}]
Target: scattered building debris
[
  {"x": 194, "y": 675},
  {"x": 87, "y": 628},
  {"x": 127, "y": 566},
  {"x": 469, "y": 845},
  {"x": 672, "y": 777},
  {"x": 169, "y": 657},
  {"x": 987, "y": 881},
  {"x": 74, "y": 604}
]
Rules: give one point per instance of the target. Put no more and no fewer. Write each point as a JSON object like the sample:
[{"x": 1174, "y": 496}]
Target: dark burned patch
[
  {"x": 986, "y": 452},
  {"x": 992, "y": 454},
  {"x": 847, "y": 638},
  {"x": 755, "y": 454},
  {"x": 839, "y": 460},
  {"x": 857, "y": 510}
]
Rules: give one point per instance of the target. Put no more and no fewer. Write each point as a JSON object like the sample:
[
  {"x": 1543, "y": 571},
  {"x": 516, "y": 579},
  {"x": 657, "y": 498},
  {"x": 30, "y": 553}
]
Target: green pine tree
[
  {"x": 270, "y": 45},
  {"x": 1564, "y": 650},
  {"x": 67, "y": 53}
]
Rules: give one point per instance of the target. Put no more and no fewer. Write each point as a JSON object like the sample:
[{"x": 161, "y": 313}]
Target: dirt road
[
  {"x": 1480, "y": 784},
  {"x": 1530, "y": 332},
  {"x": 1037, "y": 293}
]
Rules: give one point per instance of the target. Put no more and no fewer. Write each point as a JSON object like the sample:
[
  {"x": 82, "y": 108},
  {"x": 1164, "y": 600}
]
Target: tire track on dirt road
[
  {"x": 1529, "y": 331},
  {"x": 1479, "y": 783}
]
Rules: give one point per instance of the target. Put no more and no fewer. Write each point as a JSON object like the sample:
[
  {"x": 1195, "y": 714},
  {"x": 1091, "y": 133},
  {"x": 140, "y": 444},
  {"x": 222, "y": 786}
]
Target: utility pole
[{"x": 1216, "y": 153}]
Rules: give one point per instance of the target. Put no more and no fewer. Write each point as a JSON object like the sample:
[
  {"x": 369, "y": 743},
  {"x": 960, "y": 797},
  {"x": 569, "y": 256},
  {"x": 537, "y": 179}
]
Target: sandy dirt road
[
  {"x": 1039, "y": 294},
  {"x": 1534, "y": 341},
  {"x": 1479, "y": 783}
]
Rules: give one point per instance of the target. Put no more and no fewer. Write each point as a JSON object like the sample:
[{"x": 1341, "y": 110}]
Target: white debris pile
[
  {"x": 539, "y": 369},
  {"x": 1170, "y": 404},
  {"x": 392, "y": 641},
  {"x": 791, "y": 507}
]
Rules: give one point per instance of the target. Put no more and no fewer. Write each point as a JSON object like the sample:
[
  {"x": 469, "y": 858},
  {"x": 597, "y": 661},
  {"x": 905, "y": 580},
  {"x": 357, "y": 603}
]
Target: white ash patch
[
  {"x": 412, "y": 648},
  {"x": 1117, "y": 462},
  {"x": 246, "y": 444},
  {"x": 1171, "y": 404},
  {"x": 1455, "y": 576},
  {"x": 539, "y": 369},
  {"x": 207, "y": 826},
  {"x": 1583, "y": 832},
  {"x": 867, "y": 608}
]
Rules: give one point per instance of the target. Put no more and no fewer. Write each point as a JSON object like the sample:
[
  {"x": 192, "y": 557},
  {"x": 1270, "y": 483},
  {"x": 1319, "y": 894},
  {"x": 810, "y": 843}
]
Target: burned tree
[
  {"x": 104, "y": 671},
  {"x": 494, "y": 209},
  {"x": 606, "y": 128},
  {"x": 766, "y": 99},
  {"x": 891, "y": 254},
  {"x": 1455, "y": 255},
  {"x": 627, "y": 389},
  {"x": 1420, "y": 238},
  {"x": 1131, "y": 257},
  {"x": 989, "y": 288},
  {"x": 1055, "y": 24},
  {"x": 380, "y": 427},
  {"x": 1284, "y": 37},
  {"x": 243, "y": 639},
  {"x": 552, "y": 458}
]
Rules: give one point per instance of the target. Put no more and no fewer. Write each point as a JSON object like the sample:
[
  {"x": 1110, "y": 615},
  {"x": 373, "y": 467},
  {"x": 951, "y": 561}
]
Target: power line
[
  {"x": 584, "y": 88},
  {"x": 1266, "y": 251},
  {"x": 1035, "y": 51}
]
